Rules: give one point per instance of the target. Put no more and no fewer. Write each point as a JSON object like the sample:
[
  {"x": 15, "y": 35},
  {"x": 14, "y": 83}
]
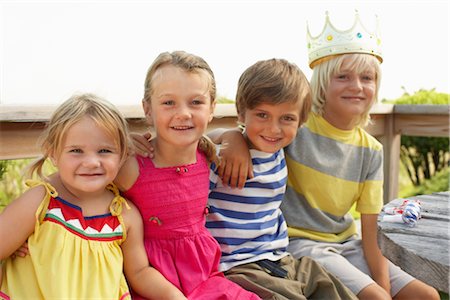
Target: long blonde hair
[
  {"x": 323, "y": 72},
  {"x": 104, "y": 114},
  {"x": 192, "y": 64}
]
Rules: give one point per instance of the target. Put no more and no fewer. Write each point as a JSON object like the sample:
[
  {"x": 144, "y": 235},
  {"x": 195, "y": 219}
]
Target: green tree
[{"x": 424, "y": 156}]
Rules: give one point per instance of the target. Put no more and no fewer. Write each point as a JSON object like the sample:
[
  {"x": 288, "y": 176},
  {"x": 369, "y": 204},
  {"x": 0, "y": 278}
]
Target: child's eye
[
  {"x": 168, "y": 102},
  {"x": 75, "y": 151},
  {"x": 262, "y": 115},
  {"x": 197, "y": 102},
  {"x": 367, "y": 77},
  {"x": 288, "y": 118},
  {"x": 105, "y": 151}
]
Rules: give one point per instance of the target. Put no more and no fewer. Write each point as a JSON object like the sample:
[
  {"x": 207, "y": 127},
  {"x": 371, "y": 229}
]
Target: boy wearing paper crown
[{"x": 332, "y": 164}]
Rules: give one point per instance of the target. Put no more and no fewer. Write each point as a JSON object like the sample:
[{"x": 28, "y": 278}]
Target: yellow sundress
[{"x": 71, "y": 256}]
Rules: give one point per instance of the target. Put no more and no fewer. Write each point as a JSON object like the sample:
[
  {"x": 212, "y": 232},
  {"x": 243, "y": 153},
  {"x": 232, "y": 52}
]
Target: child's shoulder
[
  {"x": 370, "y": 141},
  {"x": 130, "y": 214}
]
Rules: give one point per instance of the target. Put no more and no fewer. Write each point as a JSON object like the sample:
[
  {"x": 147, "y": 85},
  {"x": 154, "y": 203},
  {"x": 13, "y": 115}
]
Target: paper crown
[{"x": 332, "y": 41}]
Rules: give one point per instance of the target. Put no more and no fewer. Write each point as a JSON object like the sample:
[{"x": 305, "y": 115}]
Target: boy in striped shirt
[{"x": 273, "y": 100}]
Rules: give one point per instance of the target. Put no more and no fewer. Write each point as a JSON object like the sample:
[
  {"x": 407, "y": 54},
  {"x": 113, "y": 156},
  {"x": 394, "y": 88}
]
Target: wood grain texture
[{"x": 423, "y": 250}]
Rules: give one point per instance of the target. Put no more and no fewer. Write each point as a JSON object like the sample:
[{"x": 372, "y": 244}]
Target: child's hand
[
  {"x": 142, "y": 144},
  {"x": 21, "y": 252},
  {"x": 235, "y": 161}
]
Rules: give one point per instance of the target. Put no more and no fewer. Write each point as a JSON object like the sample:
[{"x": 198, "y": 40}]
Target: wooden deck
[{"x": 21, "y": 126}]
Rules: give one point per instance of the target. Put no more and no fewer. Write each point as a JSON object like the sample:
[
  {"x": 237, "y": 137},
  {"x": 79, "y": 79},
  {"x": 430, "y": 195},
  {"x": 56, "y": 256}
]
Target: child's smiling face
[
  {"x": 181, "y": 106},
  {"x": 271, "y": 127}
]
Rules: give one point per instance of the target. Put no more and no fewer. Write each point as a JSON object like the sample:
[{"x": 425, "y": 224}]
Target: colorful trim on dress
[
  {"x": 3, "y": 296},
  {"x": 125, "y": 296},
  {"x": 101, "y": 228}
]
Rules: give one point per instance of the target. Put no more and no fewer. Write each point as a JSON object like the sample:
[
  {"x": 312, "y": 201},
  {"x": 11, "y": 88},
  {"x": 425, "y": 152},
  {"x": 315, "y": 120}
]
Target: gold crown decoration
[{"x": 332, "y": 41}]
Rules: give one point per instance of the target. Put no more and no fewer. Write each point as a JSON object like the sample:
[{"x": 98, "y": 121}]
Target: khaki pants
[{"x": 306, "y": 279}]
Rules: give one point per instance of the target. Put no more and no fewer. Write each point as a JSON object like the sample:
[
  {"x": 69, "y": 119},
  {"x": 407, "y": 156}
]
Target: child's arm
[
  {"x": 376, "y": 261},
  {"x": 128, "y": 174},
  {"x": 143, "y": 278},
  {"x": 18, "y": 219},
  {"x": 235, "y": 167}
]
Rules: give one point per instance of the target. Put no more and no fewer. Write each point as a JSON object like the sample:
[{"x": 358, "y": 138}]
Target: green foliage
[
  {"x": 224, "y": 100},
  {"x": 422, "y": 157},
  {"x": 422, "y": 97},
  {"x": 438, "y": 183},
  {"x": 3, "y": 164},
  {"x": 12, "y": 183}
]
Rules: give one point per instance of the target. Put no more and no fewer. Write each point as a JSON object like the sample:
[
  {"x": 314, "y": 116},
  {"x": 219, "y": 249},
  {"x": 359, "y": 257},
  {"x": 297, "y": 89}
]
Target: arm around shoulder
[{"x": 143, "y": 278}]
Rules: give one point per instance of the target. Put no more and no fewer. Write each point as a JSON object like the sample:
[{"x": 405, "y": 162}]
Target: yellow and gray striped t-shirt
[{"x": 328, "y": 171}]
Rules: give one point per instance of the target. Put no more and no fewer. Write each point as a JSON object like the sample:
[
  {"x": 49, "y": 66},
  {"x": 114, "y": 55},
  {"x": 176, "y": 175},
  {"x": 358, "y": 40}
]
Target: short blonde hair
[
  {"x": 104, "y": 114},
  {"x": 323, "y": 72}
]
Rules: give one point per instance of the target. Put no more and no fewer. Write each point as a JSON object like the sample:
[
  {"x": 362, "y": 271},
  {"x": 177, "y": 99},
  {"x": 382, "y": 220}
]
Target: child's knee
[
  {"x": 373, "y": 291},
  {"x": 417, "y": 290}
]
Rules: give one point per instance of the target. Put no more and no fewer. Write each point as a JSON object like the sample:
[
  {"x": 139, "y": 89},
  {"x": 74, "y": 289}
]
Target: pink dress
[{"x": 173, "y": 205}]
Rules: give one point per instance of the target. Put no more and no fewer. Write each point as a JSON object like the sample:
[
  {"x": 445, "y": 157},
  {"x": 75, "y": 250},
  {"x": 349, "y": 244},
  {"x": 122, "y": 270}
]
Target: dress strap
[
  {"x": 50, "y": 193},
  {"x": 117, "y": 205}
]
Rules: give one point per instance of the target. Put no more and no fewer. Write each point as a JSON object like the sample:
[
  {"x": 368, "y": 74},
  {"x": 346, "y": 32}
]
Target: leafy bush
[
  {"x": 423, "y": 157},
  {"x": 438, "y": 183},
  {"x": 422, "y": 97},
  {"x": 12, "y": 183}
]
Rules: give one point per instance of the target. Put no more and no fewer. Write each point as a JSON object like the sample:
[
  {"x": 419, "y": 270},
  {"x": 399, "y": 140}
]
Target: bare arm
[
  {"x": 378, "y": 264},
  {"x": 128, "y": 174},
  {"x": 143, "y": 278},
  {"x": 18, "y": 219},
  {"x": 235, "y": 161}
]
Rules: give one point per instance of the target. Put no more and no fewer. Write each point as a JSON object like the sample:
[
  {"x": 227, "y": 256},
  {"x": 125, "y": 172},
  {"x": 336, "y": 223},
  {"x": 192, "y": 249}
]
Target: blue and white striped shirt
[{"x": 248, "y": 223}]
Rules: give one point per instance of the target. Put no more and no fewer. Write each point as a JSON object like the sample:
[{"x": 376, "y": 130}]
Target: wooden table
[{"x": 423, "y": 250}]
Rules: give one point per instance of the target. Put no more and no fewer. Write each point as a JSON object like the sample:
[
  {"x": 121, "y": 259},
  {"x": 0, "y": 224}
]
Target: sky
[{"x": 52, "y": 49}]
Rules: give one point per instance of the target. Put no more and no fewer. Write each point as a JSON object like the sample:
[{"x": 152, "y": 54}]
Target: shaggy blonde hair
[
  {"x": 104, "y": 114},
  {"x": 323, "y": 72}
]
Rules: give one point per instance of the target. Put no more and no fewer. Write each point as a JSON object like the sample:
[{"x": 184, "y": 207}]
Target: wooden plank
[
  {"x": 421, "y": 250},
  {"x": 422, "y": 125},
  {"x": 415, "y": 256}
]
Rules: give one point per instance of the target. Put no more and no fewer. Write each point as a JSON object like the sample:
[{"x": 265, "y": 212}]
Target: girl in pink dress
[{"x": 171, "y": 190}]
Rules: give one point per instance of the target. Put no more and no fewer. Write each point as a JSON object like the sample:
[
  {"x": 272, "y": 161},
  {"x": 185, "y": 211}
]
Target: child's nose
[
  {"x": 91, "y": 161},
  {"x": 275, "y": 127},
  {"x": 356, "y": 83},
  {"x": 183, "y": 112}
]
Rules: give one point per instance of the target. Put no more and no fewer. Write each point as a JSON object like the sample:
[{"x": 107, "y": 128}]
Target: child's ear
[
  {"x": 213, "y": 107},
  {"x": 53, "y": 159},
  {"x": 241, "y": 118},
  {"x": 147, "y": 111}
]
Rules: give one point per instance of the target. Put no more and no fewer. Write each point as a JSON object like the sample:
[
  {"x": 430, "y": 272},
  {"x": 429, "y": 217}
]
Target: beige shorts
[
  {"x": 306, "y": 279},
  {"x": 346, "y": 261}
]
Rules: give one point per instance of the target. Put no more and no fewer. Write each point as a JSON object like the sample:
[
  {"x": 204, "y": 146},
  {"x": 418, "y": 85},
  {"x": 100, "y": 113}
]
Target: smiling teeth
[
  {"x": 181, "y": 127},
  {"x": 271, "y": 139}
]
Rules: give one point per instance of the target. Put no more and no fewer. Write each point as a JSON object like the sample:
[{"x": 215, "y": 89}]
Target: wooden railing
[{"x": 21, "y": 126}]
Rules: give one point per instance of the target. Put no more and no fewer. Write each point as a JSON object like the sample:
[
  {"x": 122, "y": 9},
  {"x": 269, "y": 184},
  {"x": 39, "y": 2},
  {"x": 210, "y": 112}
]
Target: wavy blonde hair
[
  {"x": 104, "y": 114},
  {"x": 193, "y": 64},
  {"x": 323, "y": 72}
]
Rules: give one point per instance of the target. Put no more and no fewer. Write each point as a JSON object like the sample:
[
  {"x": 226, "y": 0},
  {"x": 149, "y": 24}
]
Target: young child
[
  {"x": 80, "y": 237},
  {"x": 171, "y": 190},
  {"x": 273, "y": 100},
  {"x": 334, "y": 163}
]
